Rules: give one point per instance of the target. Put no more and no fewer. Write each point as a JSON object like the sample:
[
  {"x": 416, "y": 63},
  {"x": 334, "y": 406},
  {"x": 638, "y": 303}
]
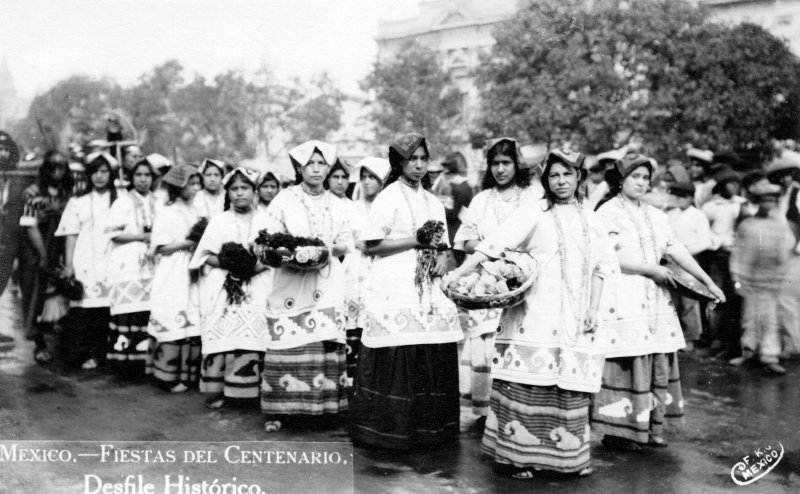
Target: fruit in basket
[{"x": 494, "y": 278}]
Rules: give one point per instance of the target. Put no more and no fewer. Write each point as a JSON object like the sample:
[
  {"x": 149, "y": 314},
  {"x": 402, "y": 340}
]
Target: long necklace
[
  {"x": 326, "y": 216},
  {"x": 652, "y": 293},
  {"x": 407, "y": 197},
  {"x": 577, "y": 299}
]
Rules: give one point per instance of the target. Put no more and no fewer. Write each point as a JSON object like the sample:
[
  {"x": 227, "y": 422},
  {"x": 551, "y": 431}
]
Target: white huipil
[
  {"x": 308, "y": 306},
  {"x": 643, "y": 320},
  {"x": 541, "y": 341},
  {"x": 130, "y": 273},
  {"x": 174, "y": 306},
  {"x": 487, "y": 211},
  {"x": 87, "y": 217},
  {"x": 395, "y": 313},
  {"x": 226, "y": 327}
]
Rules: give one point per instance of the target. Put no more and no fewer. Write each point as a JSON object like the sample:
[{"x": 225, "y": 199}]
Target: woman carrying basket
[
  {"x": 505, "y": 188},
  {"x": 549, "y": 349}
]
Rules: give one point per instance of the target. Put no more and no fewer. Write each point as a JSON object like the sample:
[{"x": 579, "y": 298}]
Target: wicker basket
[{"x": 502, "y": 300}]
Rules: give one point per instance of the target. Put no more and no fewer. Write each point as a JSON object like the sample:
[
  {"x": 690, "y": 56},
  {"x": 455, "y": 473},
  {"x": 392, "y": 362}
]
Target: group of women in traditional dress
[{"x": 172, "y": 288}]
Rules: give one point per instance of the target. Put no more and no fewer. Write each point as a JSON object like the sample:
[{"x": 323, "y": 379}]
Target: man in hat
[
  {"x": 763, "y": 246},
  {"x": 691, "y": 227},
  {"x": 700, "y": 161},
  {"x": 455, "y": 173},
  {"x": 722, "y": 211},
  {"x": 784, "y": 171}
]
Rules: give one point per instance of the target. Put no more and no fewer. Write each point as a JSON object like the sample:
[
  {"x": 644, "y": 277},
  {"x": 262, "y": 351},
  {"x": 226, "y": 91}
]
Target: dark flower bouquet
[
  {"x": 430, "y": 236},
  {"x": 241, "y": 266},
  {"x": 282, "y": 249},
  {"x": 197, "y": 230}
]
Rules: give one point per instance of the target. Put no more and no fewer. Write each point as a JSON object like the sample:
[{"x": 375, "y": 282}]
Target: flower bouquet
[
  {"x": 241, "y": 266},
  {"x": 282, "y": 249},
  {"x": 495, "y": 284},
  {"x": 430, "y": 237}
]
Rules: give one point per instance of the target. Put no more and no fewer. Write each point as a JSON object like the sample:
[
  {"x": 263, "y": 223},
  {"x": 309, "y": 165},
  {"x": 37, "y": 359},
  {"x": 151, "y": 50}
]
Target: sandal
[
  {"x": 272, "y": 425},
  {"x": 179, "y": 388},
  {"x": 523, "y": 475},
  {"x": 585, "y": 472},
  {"x": 657, "y": 442},
  {"x": 89, "y": 364},
  {"x": 215, "y": 402}
]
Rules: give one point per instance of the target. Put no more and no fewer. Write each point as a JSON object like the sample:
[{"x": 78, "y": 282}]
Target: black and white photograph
[{"x": 399, "y": 246}]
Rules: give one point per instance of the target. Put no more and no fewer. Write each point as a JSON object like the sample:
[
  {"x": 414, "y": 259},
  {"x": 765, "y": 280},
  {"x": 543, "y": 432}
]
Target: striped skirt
[
  {"x": 637, "y": 394},
  {"x": 176, "y": 362},
  {"x": 309, "y": 380},
  {"x": 406, "y": 396},
  {"x": 474, "y": 373},
  {"x": 128, "y": 342},
  {"x": 235, "y": 374},
  {"x": 541, "y": 427}
]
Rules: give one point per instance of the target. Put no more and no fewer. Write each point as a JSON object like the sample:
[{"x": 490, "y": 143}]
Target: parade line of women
[{"x": 171, "y": 288}]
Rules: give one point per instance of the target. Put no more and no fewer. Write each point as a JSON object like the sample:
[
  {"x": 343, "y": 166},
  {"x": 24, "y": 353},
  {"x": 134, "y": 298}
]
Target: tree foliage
[
  {"x": 232, "y": 116},
  {"x": 600, "y": 73},
  {"x": 413, "y": 93}
]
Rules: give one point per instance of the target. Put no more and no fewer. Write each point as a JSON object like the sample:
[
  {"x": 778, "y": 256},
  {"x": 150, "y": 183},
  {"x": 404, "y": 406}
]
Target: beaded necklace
[
  {"x": 577, "y": 299},
  {"x": 407, "y": 197},
  {"x": 496, "y": 198},
  {"x": 326, "y": 217},
  {"x": 652, "y": 293}
]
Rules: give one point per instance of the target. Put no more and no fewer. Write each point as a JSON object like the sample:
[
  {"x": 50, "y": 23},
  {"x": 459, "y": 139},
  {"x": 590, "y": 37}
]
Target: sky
[{"x": 45, "y": 41}]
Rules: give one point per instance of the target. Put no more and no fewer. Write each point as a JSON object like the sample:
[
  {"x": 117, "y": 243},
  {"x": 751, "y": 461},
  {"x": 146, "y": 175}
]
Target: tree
[
  {"x": 599, "y": 73},
  {"x": 72, "y": 109},
  {"x": 318, "y": 112},
  {"x": 413, "y": 93}
]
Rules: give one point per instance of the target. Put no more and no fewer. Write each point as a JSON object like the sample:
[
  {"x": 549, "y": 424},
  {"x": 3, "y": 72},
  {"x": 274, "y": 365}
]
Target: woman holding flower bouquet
[
  {"x": 174, "y": 311},
  {"x": 304, "y": 365},
  {"x": 233, "y": 325},
  {"x": 406, "y": 387},
  {"x": 548, "y": 355},
  {"x": 130, "y": 272}
]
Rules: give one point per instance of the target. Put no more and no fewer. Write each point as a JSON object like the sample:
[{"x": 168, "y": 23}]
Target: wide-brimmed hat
[
  {"x": 765, "y": 188},
  {"x": 435, "y": 166},
  {"x": 301, "y": 155},
  {"x": 703, "y": 155},
  {"x": 786, "y": 161},
  {"x": 179, "y": 175}
]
